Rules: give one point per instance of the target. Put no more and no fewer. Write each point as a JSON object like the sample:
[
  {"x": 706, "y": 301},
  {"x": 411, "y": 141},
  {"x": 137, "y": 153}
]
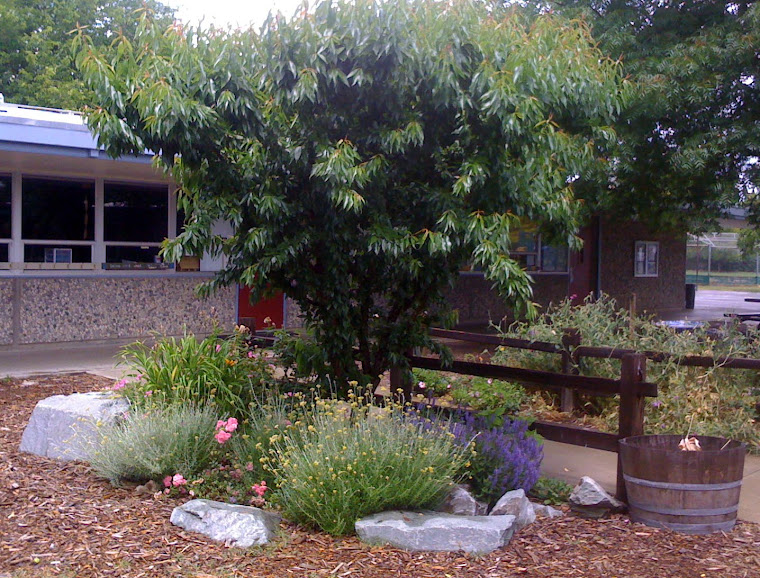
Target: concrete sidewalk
[
  {"x": 570, "y": 463},
  {"x": 23, "y": 361}
]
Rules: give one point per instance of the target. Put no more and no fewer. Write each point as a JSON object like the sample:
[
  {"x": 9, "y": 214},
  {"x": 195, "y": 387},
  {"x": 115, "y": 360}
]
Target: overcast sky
[{"x": 230, "y": 12}]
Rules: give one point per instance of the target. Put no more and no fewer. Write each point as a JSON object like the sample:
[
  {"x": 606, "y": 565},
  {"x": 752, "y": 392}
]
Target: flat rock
[
  {"x": 589, "y": 499},
  {"x": 460, "y": 502},
  {"x": 433, "y": 531},
  {"x": 545, "y": 511},
  {"x": 235, "y": 525},
  {"x": 515, "y": 503},
  {"x": 64, "y": 427}
]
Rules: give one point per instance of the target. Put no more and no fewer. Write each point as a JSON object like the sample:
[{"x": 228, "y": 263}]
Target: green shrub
[
  {"x": 271, "y": 415},
  {"x": 551, "y": 491},
  {"x": 355, "y": 459},
  {"x": 491, "y": 398},
  {"x": 719, "y": 400},
  {"x": 150, "y": 445},
  {"x": 213, "y": 370}
]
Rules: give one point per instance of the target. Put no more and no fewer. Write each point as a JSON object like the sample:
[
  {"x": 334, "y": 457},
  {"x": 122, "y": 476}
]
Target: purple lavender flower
[{"x": 508, "y": 456}]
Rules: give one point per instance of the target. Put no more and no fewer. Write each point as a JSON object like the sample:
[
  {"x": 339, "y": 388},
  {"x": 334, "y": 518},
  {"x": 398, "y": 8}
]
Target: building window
[
  {"x": 57, "y": 218},
  {"x": 536, "y": 256},
  {"x": 135, "y": 222},
  {"x": 55, "y": 209},
  {"x": 5, "y": 217},
  {"x": 646, "y": 259}
]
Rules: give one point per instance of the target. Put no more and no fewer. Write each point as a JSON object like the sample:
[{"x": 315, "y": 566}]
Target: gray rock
[
  {"x": 544, "y": 511},
  {"x": 65, "y": 426},
  {"x": 460, "y": 502},
  {"x": 589, "y": 499},
  {"x": 241, "y": 526},
  {"x": 516, "y": 504},
  {"x": 432, "y": 531}
]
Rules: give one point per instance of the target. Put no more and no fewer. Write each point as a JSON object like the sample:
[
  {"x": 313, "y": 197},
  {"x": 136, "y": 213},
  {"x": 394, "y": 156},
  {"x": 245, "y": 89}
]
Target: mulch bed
[{"x": 58, "y": 519}]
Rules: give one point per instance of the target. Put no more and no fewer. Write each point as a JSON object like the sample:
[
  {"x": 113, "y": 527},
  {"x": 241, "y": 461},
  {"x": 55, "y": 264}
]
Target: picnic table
[{"x": 746, "y": 316}]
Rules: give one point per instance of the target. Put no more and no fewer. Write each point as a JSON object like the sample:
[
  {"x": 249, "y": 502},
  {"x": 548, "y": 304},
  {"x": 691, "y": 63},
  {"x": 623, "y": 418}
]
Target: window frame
[
  {"x": 18, "y": 246},
  {"x": 651, "y": 268}
]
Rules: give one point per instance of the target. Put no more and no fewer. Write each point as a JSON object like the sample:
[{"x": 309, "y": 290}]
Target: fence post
[
  {"x": 633, "y": 370},
  {"x": 402, "y": 379},
  {"x": 571, "y": 338}
]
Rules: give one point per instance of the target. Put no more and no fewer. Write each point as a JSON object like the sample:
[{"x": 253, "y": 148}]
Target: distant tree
[
  {"x": 36, "y": 64},
  {"x": 364, "y": 152},
  {"x": 689, "y": 136}
]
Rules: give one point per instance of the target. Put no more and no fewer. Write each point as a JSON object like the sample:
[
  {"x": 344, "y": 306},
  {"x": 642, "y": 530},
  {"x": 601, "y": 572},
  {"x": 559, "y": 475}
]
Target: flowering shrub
[
  {"x": 176, "y": 371},
  {"x": 352, "y": 459},
  {"x": 491, "y": 397},
  {"x": 149, "y": 445},
  {"x": 507, "y": 456}
]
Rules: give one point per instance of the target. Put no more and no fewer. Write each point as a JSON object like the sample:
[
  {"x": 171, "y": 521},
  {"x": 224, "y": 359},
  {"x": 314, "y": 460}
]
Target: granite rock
[
  {"x": 235, "y": 525},
  {"x": 434, "y": 531},
  {"x": 64, "y": 427}
]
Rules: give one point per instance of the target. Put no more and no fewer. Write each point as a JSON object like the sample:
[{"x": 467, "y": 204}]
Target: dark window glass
[
  {"x": 5, "y": 209},
  {"x": 554, "y": 258},
  {"x": 57, "y": 209},
  {"x": 57, "y": 254},
  {"x": 135, "y": 212},
  {"x": 132, "y": 254},
  {"x": 3, "y": 252}
]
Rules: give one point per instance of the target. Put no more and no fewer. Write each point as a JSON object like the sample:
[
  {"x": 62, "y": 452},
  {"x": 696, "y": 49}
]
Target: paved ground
[
  {"x": 560, "y": 460},
  {"x": 713, "y": 305}
]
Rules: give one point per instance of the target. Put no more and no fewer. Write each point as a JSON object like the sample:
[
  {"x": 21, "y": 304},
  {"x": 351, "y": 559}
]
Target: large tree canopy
[
  {"x": 689, "y": 136},
  {"x": 36, "y": 65},
  {"x": 364, "y": 152}
]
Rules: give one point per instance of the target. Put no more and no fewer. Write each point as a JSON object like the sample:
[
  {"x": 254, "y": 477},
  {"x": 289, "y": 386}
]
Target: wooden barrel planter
[{"x": 689, "y": 492}]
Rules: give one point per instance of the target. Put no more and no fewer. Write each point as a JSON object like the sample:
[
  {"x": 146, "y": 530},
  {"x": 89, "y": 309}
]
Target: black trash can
[{"x": 691, "y": 295}]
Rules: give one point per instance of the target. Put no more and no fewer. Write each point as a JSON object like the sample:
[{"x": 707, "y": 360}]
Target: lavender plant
[{"x": 507, "y": 456}]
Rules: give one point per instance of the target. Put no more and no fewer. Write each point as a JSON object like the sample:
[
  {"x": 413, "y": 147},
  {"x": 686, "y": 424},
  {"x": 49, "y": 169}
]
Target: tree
[
  {"x": 36, "y": 65},
  {"x": 689, "y": 135},
  {"x": 364, "y": 152}
]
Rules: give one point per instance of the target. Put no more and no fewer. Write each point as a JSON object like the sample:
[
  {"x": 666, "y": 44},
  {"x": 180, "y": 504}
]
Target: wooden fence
[{"x": 631, "y": 387}]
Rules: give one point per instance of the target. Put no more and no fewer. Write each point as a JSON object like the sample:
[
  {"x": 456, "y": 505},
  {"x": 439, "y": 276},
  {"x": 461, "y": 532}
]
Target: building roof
[{"x": 50, "y": 131}]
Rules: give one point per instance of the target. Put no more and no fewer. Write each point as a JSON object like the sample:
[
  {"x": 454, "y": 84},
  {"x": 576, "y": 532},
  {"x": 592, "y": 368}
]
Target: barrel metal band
[
  {"x": 688, "y": 487},
  {"x": 686, "y": 511}
]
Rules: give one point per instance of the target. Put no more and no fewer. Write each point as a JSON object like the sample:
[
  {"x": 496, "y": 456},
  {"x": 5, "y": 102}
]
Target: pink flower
[
  {"x": 249, "y": 466},
  {"x": 148, "y": 393},
  {"x": 251, "y": 354},
  {"x": 218, "y": 348},
  {"x": 231, "y": 425},
  {"x": 178, "y": 480},
  {"x": 422, "y": 385},
  {"x": 168, "y": 482},
  {"x": 119, "y": 384},
  {"x": 220, "y": 424},
  {"x": 222, "y": 436},
  {"x": 260, "y": 489}
]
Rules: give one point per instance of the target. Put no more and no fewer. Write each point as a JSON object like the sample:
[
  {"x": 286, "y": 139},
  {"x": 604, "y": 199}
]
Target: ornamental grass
[{"x": 353, "y": 459}]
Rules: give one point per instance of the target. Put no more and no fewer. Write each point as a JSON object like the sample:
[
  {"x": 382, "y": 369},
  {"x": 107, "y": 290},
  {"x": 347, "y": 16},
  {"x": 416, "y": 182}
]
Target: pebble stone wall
[{"x": 52, "y": 310}]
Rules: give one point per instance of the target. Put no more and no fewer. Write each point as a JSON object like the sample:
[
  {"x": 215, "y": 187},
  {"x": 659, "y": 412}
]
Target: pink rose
[
  {"x": 222, "y": 436},
  {"x": 220, "y": 424},
  {"x": 167, "y": 481},
  {"x": 178, "y": 480},
  {"x": 260, "y": 489},
  {"x": 231, "y": 424}
]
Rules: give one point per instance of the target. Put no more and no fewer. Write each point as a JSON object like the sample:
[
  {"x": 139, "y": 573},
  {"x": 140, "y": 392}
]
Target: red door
[{"x": 253, "y": 315}]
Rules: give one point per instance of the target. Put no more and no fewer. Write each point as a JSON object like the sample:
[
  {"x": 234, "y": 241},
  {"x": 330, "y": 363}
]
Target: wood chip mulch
[{"x": 58, "y": 519}]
